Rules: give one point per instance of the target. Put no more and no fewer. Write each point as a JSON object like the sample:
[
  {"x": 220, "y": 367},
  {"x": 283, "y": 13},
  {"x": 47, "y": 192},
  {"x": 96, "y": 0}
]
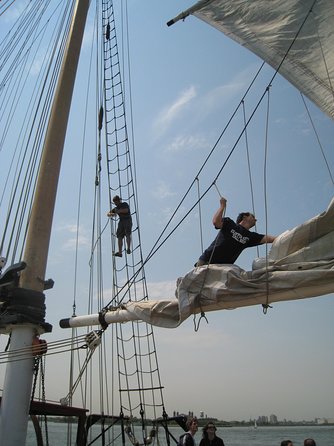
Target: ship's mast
[{"x": 19, "y": 374}]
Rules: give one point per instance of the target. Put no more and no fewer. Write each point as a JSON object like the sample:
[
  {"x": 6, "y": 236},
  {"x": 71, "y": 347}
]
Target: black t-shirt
[
  {"x": 231, "y": 240},
  {"x": 187, "y": 439},
  {"x": 124, "y": 205},
  {"x": 217, "y": 441}
]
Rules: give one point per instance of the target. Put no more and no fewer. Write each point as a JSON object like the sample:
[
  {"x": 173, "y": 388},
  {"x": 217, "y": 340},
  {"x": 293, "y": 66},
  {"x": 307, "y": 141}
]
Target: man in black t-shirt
[
  {"x": 124, "y": 227},
  {"x": 232, "y": 238}
]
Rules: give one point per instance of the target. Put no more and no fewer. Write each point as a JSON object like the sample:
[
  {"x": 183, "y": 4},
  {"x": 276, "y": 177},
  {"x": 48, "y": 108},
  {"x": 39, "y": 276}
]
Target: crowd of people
[{"x": 209, "y": 437}]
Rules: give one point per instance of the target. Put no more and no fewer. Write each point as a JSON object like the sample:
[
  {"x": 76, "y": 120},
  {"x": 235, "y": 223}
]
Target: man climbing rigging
[
  {"x": 124, "y": 227},
  {"x": 232, "y": 238}
]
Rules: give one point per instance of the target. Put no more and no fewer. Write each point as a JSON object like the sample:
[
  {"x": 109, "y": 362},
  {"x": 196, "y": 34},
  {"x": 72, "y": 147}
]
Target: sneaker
[
  {"x": 118, "y": 254},
  {"x": 128, "y": 251}
]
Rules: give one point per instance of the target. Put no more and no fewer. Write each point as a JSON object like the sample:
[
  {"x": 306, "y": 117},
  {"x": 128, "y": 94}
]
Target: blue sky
[{"x": 186, "y": 82}]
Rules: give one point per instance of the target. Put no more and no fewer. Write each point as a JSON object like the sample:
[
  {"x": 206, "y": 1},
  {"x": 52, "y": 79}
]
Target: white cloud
[
  {"x": 71, "y": 241},
  {"x": 161, "y": 290},
  {"x": 162, "y": 191},
  {"x": 224, "y": 93},
  {"x": 169, "y": 114},
  {"x": 202, "y": 105},
  {"x": 185, "y": 143}
]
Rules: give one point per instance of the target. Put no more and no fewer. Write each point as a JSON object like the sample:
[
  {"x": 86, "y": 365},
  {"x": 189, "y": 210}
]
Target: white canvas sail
[
  {"x": 270, "y": 29},
  {"x": 300, "y": 264}
]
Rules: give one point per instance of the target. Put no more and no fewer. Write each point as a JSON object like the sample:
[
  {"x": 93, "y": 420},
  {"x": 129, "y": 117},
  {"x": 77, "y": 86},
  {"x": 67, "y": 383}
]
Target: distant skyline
[{"x": 260, "y": 419}]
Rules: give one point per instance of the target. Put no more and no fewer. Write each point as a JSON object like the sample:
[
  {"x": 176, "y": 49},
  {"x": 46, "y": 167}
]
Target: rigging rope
[
  {"x": 158, "y": 245},
  {"x": 196, "y": 327},
  {"x": 200, "y": 215},
  {"x": 35, "y": 117},
  {"x": 137, "y": 337},
  {"x": 56, "y": 347},
  {"x": 249, "y": 167},
  {"x": 266, "y": 305}
]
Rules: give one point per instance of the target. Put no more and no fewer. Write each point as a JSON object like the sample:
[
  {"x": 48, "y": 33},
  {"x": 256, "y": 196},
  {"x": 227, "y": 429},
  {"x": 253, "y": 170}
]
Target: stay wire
[
  {"x": 23, "y": 353},
  {"x": 249, "y": 168},
  {"x": 80, "y": 191},
  {"x": 4, "y": 5},
  {"x": 200, "y": 216},
  {"x": 266, "y": 305},
  {"x": 30, "y": 178},
  {"x": 196, "y": 327}
]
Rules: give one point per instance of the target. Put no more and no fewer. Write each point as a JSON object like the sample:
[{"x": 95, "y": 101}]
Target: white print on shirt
[{"x": 238, "y": 237}]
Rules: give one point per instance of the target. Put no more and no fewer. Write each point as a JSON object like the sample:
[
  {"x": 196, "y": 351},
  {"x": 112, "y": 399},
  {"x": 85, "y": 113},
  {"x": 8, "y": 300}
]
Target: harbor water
[{"x": 232, "y": 436}]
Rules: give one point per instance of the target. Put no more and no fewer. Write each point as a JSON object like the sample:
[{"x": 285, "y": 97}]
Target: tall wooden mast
[{"x": 19, "y": 374}]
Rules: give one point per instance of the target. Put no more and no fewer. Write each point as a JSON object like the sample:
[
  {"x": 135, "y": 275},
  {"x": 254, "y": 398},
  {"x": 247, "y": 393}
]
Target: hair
[
  {"x": 241, "y": 216},
  {"x": 190, "y": 421},
  {"x": 206, "y": 427},
  {"x": 116, "y": 198},
  {"x": 309, "y": 442},
  {"x": 286, "y": 442}
]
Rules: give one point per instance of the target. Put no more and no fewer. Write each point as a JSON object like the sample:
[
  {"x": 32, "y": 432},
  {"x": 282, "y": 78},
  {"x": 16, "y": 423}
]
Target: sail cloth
[
  {"x": 300, "y": 264},
  {"x": 267, "y": 28}
]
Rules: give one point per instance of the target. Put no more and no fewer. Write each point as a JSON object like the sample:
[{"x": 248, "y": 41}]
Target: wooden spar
[{"x": 19, "y": 374}]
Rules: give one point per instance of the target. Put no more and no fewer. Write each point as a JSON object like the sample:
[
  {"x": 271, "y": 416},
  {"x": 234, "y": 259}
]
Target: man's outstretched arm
[
  {"x": 268, "y": 239},
  {"x": 218, "y": 217}
]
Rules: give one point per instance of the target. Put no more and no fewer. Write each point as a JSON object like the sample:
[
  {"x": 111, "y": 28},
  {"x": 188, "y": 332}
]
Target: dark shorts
[{"x": 124, "y": 228}]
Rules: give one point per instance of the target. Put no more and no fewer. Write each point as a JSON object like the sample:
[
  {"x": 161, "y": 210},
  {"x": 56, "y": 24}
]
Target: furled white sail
[
  {"x": 300, "y": 264},
  {"x": 268, "y": 28}
]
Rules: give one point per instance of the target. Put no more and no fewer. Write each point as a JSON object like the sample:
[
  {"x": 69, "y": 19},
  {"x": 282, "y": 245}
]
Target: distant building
[
  {"x": 263, "y": 419},
  {"x": 322, "y": 421},
  {"x": 273, "y": 419}
]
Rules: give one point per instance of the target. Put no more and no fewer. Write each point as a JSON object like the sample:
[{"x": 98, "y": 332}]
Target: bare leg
[
  {"x": 120, "y": 245},
  {"x": 128, "y": 243}
]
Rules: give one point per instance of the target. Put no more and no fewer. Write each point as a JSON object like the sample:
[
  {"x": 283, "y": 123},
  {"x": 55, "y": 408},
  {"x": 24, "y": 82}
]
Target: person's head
[
  {"x": 286, "y": 443},
  {"x": 192, "y": 424},
  {"x": 309, "y": 442},
  {"x": 209, "y": 428},
  {"x": 116, "y": 200},
  {"x": 246, "y": 218}
]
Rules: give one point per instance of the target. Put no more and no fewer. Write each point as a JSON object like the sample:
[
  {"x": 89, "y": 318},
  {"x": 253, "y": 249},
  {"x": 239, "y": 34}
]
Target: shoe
[
  {"x": 128, "y": 251},
  {"x": 118, "y": 254}
]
